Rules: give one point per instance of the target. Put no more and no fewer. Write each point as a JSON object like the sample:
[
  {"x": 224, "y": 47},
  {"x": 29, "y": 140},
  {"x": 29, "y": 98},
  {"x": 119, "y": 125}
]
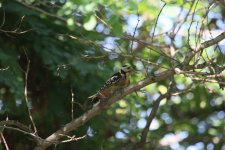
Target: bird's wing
[{"x": 112, "y": 80}]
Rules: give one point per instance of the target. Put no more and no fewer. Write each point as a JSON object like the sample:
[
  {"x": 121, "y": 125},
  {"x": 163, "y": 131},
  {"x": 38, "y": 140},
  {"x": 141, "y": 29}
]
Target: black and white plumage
[{"x": 116, "y": 82}]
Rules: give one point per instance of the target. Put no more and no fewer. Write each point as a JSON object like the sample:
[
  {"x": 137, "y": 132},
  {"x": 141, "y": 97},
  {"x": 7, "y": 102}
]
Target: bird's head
[{"x": 127, "y": 69}]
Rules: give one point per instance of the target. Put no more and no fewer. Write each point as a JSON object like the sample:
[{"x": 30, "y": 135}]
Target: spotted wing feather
[{"x": 111, "y": 81}]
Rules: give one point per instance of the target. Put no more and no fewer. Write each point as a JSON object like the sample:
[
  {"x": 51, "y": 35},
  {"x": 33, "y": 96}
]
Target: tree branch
[
  {"x": 73, "y": 125},
  {"x": 76, "y": 123},
  {"x": 39, "y": 10},
  {"x": 144, "y": 134},
  {"x": 17, "y": 124},
  {"x": 26, "y": 92},
  {"x": 4, "y": 141},
  {"x": 202, "y": 46}
]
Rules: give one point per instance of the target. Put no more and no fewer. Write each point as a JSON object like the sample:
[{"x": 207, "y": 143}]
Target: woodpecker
[{"x": 116, "y": 82}]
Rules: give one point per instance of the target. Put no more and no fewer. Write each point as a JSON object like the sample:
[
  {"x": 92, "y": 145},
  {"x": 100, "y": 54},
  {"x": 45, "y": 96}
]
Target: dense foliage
[{"x": 73, "y": 46}]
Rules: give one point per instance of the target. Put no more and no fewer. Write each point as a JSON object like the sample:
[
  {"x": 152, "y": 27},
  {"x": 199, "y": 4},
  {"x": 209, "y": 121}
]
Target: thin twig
[
  {"x": 20, "y": 130},
  {"x": 85, "y": 41},
  {"x": 203, "y": 46},
  {"x": 185, "y": 18},
  {"x": 72, "y": 104},
  {"x": 72, "y": 138},
  {"x": 15, "y": 31},
  {"x": 41, "y": 11},
  {"x": 20, "y": 23},
  {"x": 192, "y": 20},
  {"x": 143, "y": 60},
  {"x": 156, "y": 22},
  {"x": 206, "y": 80},
  {"x": 17, "y": 124},
  {"x": 45, "y": 12},
  {"x": 26, "y": 94},
  {"x": 101, "y": 20},
  {"x": 155, "y": 49},
  {"x": 4, "y": 69},
  {"x": 4, "y": 141},
  {"x": 132, "y": 42}
]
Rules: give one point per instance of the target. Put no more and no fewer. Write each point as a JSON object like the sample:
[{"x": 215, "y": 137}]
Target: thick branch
[{"x": 98, "y": 109}]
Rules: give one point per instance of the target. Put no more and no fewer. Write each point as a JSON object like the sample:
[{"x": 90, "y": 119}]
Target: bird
[{"x": 116, "y": 82}]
